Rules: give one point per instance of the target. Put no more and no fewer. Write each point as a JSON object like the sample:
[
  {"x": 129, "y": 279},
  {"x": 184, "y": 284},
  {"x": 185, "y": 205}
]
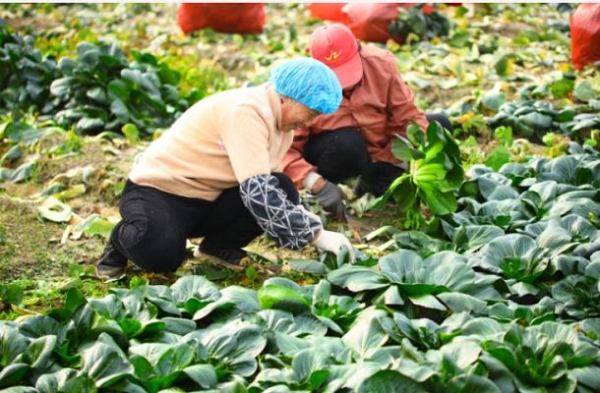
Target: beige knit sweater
[{"x": 216, "y": 144}]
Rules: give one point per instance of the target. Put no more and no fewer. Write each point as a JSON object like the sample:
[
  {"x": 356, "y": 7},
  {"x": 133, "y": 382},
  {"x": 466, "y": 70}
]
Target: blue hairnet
[{"x": 309, "y": 82}]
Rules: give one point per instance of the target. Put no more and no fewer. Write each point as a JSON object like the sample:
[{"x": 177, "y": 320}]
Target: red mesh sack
[
  {"x": 585, "y": 35},
  {"x": 242, "y": 18},
  {"x": 370, "y": 21},
  {"x": 327, "y": 11}
]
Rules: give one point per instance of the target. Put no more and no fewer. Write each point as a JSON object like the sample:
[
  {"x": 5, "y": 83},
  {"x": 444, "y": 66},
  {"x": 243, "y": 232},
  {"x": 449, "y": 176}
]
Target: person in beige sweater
[{"x": 216, "y": 174}]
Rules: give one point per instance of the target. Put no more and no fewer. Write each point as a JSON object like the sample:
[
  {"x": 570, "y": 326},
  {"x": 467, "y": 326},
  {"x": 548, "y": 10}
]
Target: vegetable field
[{"x": 478, "y": 270}]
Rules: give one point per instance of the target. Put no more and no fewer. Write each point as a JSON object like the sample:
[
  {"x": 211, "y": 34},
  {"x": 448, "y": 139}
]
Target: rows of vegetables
[
  {"x": 506, "y": 300},
  {"x": 100, "y": 89}
]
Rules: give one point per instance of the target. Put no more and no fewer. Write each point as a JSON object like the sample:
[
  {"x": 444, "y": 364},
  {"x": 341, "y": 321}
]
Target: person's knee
[
  {"x": 160, "y": 257},
  {"x": 166, "y": 260},
  {"x": 377, "y": 178},
  {"x": 345, "y": 155},
  {"x": 348, "y": 144},
  {"x": 150, "y": 245},
  {"x": 130, "y": 233},
  {"x": 440, "y": 118}
]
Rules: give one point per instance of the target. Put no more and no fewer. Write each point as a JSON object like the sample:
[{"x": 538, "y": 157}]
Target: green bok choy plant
[{"x": 435, "y": 171}]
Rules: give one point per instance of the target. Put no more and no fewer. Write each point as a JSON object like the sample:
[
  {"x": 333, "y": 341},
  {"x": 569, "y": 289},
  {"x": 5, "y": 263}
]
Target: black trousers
[
  {"x": 155, "y": 224},
  {"x": 342, "y": 154}
]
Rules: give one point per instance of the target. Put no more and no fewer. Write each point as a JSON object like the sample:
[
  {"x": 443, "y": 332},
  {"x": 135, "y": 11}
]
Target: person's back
[{"x": 193, "y": 158}]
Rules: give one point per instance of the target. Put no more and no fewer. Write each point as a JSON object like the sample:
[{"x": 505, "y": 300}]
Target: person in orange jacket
[{"x": 355, "y": 140}]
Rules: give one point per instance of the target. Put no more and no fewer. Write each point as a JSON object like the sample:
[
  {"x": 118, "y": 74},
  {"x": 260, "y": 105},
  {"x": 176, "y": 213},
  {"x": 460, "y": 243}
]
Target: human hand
[
  {"x": 333, "y": 242},
  {"x": 331, "y": 197}
]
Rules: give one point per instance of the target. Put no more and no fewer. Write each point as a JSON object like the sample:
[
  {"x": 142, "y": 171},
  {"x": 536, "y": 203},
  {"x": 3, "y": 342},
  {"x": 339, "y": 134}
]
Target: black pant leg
[
  {"x": 153, "y": 229},
  {"x": 230, "y": 225},
  {"x": 440, "y": 118},
  {"x": 377, "y": 178},
  {"x": 338, "y": 154},
  {"x": 155, "y": 225}
]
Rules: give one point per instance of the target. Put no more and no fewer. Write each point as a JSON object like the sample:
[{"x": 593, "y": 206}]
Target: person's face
[
  {"x": 349, "y": 89},
  {"x": 295, "y": 115}
]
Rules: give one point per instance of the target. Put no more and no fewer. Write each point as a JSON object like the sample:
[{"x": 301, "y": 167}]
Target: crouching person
[{"x": 216, "y": 174}]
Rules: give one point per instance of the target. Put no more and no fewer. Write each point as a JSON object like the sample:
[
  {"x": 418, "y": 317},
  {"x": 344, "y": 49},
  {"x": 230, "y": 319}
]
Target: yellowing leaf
[
  {"x": 565, "y": 67},
  {"x": 505, "y": 66},
  {"x": 54, "y": 210}
]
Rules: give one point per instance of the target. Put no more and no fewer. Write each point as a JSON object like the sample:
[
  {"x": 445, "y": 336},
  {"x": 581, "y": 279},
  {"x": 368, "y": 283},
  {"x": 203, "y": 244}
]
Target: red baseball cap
[{"x": 335, "y": 46}]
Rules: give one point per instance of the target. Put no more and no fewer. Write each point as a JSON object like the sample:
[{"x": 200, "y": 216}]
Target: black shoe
[
  {"x": 360, "y": 188},
  {"x": 231, "y": 258},
  {"x": 376, "y": 179},
  {"x": 112, "y": 265}
]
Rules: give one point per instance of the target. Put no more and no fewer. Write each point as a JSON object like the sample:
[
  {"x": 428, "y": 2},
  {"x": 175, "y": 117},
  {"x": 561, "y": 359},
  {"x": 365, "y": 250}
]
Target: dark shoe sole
[
  {"x": 111, "y": 274},
  {"x": 213, "y": 260}
]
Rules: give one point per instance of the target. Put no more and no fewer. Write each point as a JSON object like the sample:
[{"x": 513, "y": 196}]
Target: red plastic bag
[
  {"x": 242, "y": 18},
  {"x": 585, "y": 35},
  {"x": 327, "y": 11},
  {"x": 370, "y": 21}
]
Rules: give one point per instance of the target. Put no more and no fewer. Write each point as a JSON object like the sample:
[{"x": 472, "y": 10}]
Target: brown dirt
[{"x": 36, "y": 248}]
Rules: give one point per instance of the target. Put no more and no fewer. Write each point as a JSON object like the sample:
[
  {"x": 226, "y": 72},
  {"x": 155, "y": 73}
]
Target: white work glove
[{"x": 333, "y": 242}]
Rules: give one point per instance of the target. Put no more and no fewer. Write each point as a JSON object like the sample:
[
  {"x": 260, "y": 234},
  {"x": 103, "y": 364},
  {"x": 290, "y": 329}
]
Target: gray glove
[
  {"x": 333, "y": 242},
  {"x": 331, "y": 197}
]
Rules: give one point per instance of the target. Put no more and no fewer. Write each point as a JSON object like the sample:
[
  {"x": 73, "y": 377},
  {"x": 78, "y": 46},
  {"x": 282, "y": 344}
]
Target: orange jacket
[{"x": 380, "y": 105}]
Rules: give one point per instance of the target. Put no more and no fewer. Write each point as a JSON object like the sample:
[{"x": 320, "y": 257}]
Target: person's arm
[
  {"x": 401, "y": 107},
  {"x": 289, "y": 225},
  {"x": 305, "y": 175},
  {"x": 286, "y": 223}
]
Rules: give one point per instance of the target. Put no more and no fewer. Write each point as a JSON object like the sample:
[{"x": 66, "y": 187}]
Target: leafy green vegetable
[
  {"x": 25, "y": 75},
  {"x": 420, "y": 20},
  {"x": 499, "y": 156},
  {"x": 534, "y": 119},
  {"x": 101, "y": 90},
  {"x": 10, "y": 294},
  {"x": 518, "y": 259},
  {"x": 270, "y": 296},
  {"x": 541, "y": 356},
  {"x": 435, "y": 173},
  {"x": 578, "y": 295}
]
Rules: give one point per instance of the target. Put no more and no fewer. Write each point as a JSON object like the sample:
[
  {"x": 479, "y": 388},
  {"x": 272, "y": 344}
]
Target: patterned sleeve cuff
[{"x": 288, "y": 225}]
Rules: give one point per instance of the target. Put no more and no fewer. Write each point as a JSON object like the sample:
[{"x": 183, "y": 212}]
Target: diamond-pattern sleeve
[{"x": 287, "y": 224}]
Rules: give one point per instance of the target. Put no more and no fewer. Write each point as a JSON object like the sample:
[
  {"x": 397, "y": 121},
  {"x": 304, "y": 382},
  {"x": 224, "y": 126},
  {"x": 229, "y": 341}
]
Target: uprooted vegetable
[{"x": 435, "y": 172}]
